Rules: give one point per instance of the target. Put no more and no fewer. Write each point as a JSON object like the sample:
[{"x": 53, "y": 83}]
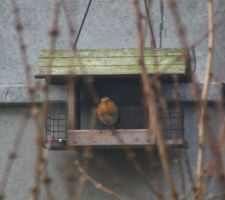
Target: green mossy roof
[{"x": 100, "y": 62}]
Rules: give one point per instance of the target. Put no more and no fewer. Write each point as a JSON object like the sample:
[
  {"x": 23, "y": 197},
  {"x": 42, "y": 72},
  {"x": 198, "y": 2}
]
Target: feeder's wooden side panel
[
  {"x": 101, "y": 62},
  {"x": 105, "y": 138}
]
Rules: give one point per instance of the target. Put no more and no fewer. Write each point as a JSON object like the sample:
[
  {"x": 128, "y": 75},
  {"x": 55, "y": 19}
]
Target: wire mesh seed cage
[
  {"x": 173, "y": 126},
  {"x": 56, "y": 123}
]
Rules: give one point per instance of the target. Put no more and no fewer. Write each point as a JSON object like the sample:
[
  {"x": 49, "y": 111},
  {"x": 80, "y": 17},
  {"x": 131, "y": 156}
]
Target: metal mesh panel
[
  {"x": 56, "y": 122},
  {"x": 173, "y": 124}
]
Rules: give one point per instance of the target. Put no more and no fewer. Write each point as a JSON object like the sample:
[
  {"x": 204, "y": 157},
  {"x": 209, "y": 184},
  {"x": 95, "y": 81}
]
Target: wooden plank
[
  {"x": 96, "y": 53},
  {"x": 104, "y": 138},
  {"x": 118, "y": 61},
  {"x": 77, "y": 106},
  {"x": 112, "y": 70},
  {"x": 71, "y": 104}
]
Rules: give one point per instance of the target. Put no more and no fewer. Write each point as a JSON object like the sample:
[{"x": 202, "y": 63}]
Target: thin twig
[
  {"x": 39, "y": 117},
  {"x": 97, "y": 184},
  {"x": 22, "y": 45},
  {"x": 202, "y": 120}
]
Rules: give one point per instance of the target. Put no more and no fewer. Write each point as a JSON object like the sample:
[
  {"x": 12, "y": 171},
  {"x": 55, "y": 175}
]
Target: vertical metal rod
[{"x": 82, "y": 24}]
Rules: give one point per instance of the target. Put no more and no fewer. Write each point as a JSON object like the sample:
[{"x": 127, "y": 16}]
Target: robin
[{"x": 107, "y": 112}]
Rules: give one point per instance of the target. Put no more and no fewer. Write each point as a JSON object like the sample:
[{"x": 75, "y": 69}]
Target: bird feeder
[{"x": 116, "y": 74}]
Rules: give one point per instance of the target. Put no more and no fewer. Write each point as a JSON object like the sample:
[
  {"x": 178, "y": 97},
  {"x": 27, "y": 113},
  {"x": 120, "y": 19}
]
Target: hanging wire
[
  {"x": 153, "y": 43},
  {"x": 161, "y": 23},
  {"x": 82, "y": 24}
]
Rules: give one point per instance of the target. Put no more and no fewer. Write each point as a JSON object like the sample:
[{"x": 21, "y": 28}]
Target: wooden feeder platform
[{"x": 101, "y": 139}]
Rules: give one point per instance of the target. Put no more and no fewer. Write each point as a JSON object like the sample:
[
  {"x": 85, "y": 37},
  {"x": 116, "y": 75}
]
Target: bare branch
[{"x": 203, "y": 113}]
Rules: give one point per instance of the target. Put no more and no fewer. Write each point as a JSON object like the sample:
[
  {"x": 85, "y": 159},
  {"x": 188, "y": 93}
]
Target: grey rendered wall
[{"x": 110, "y": 25}]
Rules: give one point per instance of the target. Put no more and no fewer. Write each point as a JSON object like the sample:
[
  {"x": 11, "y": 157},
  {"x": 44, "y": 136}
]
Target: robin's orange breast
[
  {"x": 106, "y": 108},
  {"x": 107, "y": 112}
]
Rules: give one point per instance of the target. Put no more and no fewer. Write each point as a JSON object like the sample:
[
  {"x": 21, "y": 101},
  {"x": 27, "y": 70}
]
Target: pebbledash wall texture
[{"x": 110, "y": 24}]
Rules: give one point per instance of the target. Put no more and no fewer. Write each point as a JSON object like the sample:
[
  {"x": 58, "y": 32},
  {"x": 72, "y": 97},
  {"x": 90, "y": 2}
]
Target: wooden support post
[
  {"x": 73, "y": 104},
  {"x": 77, "y": 104}
]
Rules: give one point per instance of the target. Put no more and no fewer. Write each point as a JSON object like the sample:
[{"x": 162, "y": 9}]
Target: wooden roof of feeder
[{"x": 109, "y": 62}]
